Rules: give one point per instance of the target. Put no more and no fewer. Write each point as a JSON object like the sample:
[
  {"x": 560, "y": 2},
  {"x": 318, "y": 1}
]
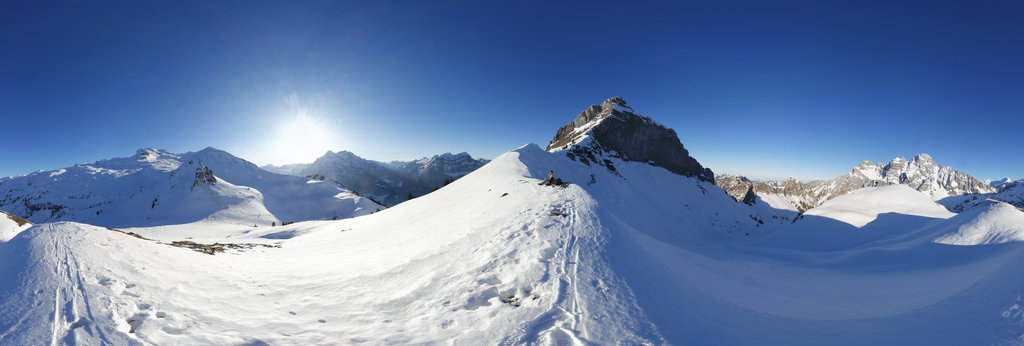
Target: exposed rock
[
  {"x": 618, "y": 131},
  {"x": 204, "y": 176},
  {"x": 798, "y": 197},
  {"x": 736, "y": 186}
]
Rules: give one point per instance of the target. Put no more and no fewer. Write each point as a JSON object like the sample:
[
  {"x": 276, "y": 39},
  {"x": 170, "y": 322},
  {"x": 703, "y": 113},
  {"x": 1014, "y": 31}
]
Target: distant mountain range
[
  {"x": 389, "y": 183},
  {"x": 920, "y": 173},
  {"x": 155, "y": 187}
]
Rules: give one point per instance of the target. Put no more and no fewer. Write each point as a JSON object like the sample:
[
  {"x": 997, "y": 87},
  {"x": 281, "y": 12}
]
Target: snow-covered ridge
[
  {"x": 920, "y": 173},
  {"x": 863, "y": 206},
  {"x": 999, "y": 222},
  {"x": 636, "y": 256},
  {"x": 392, "y": 183},
  {"x": 11, "y": 225},
  {"x": 157, "y": 187}
]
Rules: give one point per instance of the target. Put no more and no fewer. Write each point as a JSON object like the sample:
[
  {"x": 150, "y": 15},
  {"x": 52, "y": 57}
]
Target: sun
[{"x": 301, "y": 138}]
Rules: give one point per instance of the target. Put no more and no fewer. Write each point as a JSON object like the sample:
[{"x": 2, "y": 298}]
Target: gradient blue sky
[{"x": 769, "y": 90}]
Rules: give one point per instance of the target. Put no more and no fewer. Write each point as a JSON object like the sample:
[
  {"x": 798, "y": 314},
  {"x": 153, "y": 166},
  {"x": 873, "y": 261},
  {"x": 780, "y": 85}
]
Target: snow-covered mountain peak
[
  {"x": 148, "y": 154},
  {"x": 391, "y": 182},
  {"x": 613, "y": 130},
  {"x": 923, "y": 158},
  {"x": 156, "y": 187},
  {"x": 577, "y": 130},
  {"x": 921, "y": 173}
]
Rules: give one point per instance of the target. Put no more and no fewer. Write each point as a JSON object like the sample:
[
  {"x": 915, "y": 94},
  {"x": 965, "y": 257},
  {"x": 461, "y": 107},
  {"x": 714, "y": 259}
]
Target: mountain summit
[
  {"x": 614, "y": 129},
  {"x": 920, "y": 173}
]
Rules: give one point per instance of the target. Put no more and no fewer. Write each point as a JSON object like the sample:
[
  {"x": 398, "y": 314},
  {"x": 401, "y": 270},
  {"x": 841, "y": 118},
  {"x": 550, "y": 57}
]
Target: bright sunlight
[{"x": 302, "y": 136}]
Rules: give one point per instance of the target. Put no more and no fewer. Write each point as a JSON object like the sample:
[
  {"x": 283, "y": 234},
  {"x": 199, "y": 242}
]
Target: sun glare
[
  {"x": 301, "y": 136},
  {"x": 303, "y": 139}
]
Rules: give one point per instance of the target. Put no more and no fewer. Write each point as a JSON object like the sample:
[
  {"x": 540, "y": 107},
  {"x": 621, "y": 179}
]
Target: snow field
[{"x": 636, "y": 256}]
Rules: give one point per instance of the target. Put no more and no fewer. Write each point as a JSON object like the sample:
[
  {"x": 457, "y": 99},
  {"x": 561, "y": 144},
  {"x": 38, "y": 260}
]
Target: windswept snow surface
[
  {"x": 641, "y": 256},
  {"x": 1000, "y": 222},
  {"x": 862, "y": 206}
]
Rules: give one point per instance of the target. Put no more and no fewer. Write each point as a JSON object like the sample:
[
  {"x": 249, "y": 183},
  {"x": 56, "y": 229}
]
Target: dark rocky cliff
[{"x": 617, "y": 131}]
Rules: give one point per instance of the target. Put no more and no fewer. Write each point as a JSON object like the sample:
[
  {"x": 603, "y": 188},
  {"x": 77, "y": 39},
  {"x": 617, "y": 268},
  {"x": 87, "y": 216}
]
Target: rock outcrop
[
  {"x": 613, "y": 129},
  {"x": 204, "y": 176},
  {"x": 794, "y": 194}
]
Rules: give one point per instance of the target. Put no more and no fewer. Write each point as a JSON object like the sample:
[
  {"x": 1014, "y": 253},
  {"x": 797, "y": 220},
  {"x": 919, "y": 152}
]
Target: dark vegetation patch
[
  {"x": 17, "y": 220},
  {"x": 209, "y": 249}
]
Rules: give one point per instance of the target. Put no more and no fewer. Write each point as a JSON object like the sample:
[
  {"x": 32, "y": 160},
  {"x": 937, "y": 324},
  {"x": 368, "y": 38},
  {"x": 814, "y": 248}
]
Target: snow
[
  {"x": 999, "y": 223},
  {"x": 643, "y": 256},
  {"x": 860, "y": 207},
  {"x": 155, "y": 187},
  {"x": 11, "y": 226}
]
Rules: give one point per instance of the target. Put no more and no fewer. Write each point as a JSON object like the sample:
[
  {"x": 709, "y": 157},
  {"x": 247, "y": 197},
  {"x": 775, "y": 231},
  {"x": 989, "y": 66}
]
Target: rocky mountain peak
[
  {"x": 923, "y": 158},
  {"x": 613, "y": 129},
  {"x": 921, "y": 173}
]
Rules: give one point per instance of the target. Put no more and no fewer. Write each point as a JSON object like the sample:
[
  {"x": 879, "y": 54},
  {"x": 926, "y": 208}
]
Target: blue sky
[{"x": 803, "y": 89}]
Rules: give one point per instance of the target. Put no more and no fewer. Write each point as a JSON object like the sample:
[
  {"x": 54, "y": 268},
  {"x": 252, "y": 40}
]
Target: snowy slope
[
  {"x": 156, "y": 187},
  {"x": 11, "y": 225},
  {"x": 643, "y": 256},
  {"x": 1012, "y": 193},
  {"x": 862, "y": 206},
  {"x": 391, "y": 183},
  {"x": 998, "y": 223},
  {"x": 641, "y": 248},
  {"x": 481, "y": 260}
]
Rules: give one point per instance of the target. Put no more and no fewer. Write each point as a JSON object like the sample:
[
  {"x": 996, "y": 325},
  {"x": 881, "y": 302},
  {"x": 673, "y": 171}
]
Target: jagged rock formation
[
  {"x": 391, "y": 183},
  {"x": 789, "y": 194},
  {"x": 921, "y": 173},
  {"x": 613, "y": 129},
  {"x": 204, "y": 176},
  {"x": 739, "y": 187}
]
